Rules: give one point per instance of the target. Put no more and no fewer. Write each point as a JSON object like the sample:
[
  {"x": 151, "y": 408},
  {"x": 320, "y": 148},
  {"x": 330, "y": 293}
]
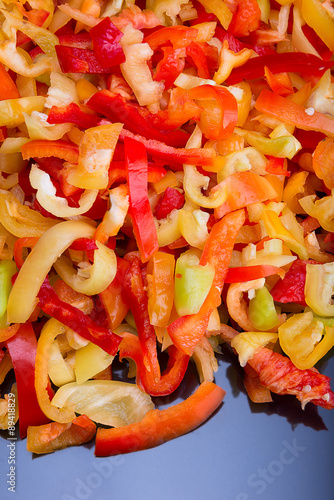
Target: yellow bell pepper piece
[
  {"x": 319, "y": 286},
  {"x": 220, "y": 9},
  {"x": 318, "y": 18}
]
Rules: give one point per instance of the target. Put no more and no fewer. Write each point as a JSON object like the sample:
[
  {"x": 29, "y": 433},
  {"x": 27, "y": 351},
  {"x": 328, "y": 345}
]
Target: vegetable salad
[{"x": 165, "y": 188}]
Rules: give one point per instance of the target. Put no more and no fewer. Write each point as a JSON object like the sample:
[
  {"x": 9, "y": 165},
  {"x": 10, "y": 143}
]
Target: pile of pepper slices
[{"x": 166, "y": 187}]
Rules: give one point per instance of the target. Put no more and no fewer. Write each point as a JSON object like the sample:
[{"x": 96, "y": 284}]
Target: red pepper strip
[
  {"x": 72, "y": 114},
  {"x": 75, "y": 60},
  {"x": 157, "y": 149},
  {"x": 187, "y": 331},
  {"x": 81, "y": 40},
  {"x": 291, "y": 287},
  {"x": 226, "y": 117},
  {"x": 106, "y": 43},
  {"x": 55, "y": 436},
  {"x": 249, "y": 273},
  {"x": 178, "y": 36},
  {"x": 114, "y": 107},
  {"x": 275, "y": 166},
  {"x": 202, "y": 15},
  {"x": 8, "y": 89},
  {"x": 28, "y": 241},
  {"x": 137, "y": 300},
  {"x": 170, "y": 66},
  {"x": 72, "y": 317},
  {"x": 55, "y": 168},
  {"x": 299, "y": 62},
  {"x": 280, "y": 83},
  {"x": 293, "y": 114},
  {"x": 112, "y": 299},
  {"x": 140, "y": 210},
  {"x": 196, "y": 54},
  {"x": 84, "y": 245},
  {"x": 117, "y": 172},
  {"x": 172, "y": 199},
  {"x": 247, "y": 18},
  {"x": 317, "y": 43},
  {"x": 280, "y": 375},
  {"x": 35, "y": 16},
  {"x": 309, "y": 138},
  {"x": 159, "y": 426},
  {"x": 22, "y": 349},
  {"x": 41, "y": 148},
  {"x": 236, "y": 46}
]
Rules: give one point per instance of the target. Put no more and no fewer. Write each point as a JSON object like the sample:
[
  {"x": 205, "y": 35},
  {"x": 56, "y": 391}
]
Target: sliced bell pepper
[
  {"x": 75, "y": 60},
  {"x": 106, "y": 43},
  {"x": 181, "y": 108},
  {"x": 72, "y": 114},
  {"x": 291, "y": 287},
  {"x": 72, "y": 317},
  {"x": 276, "y": 166},
  {"x": 197, "y": 56},
  {"x": 160, "y": 287},
  {"x": 159, "y": 426},
  {"x": 299, "y": 62},
  {"x": 8, "y": 89},
  {"x": 178, "y": 36},
  {"x": 293, "y": 114},
  {"x": 193, "y": 156},
  {"x": 187, "y": 331},
  {"x": 319, "y": 19},
  {"x": 81, "y": 40},
  {"x": 281, "y": 376},
  {"x": 41, "y": 148},
  {"x": 171, "y": 200},
  {"x": 112, "y": 299},
  {"x": 280, "y": 83},
  {"x": 223, "y": 108},
  {"x": 55, "y": 168},
  {"x": 170, "y": 66},
  {"x": 114, "y": 107},
  {"x": 22, "y": 349},
  {"x": 261, "y": 311},
  {"x": 55, "y": 436},
  {"x": 236, "y": 45},
  {"x": 220, "y": 9},
  {"x": 241, "y": 274},
  {"x": 140, "y": 210},
  {"x": 21, "y": 243},
  {"x": 323, "y": 158},
  {"x": 246, "y": 18},
  {"x": 7, "y": 271}
]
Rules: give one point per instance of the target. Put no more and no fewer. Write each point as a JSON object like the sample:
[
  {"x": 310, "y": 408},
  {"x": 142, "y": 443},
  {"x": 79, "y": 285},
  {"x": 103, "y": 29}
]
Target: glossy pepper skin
[{"x": 291, "y": 287}]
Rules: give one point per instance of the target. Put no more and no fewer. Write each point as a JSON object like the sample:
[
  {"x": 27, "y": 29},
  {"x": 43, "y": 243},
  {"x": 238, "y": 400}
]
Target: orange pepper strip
[
  {"x": 40, "y": 148},
  {"x": 8, "y": 89},
  {"x": 323, "y": 159},
  {"x": 309, "y": 224},
  {"x": 159, "y": 426},
  {"x": 187, "y": 331},
  {"x": 294, "y": 114}
]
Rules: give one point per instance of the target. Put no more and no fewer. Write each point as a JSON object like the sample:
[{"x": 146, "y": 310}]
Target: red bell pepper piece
[
  {"x": 178, "y": 36},
  {"x": 317, "y": 43},
  {"x": 170, "y": 66},
  {"x": 249, "y": 273},
  {"x": 114, "y": 107},
  {"x": 22, "y": 349},
  {"x": 299, "y": 62},
  {"x": 41, "y": 148},
  {"x": 226, "y": 118},
  {"x": 187, "y": 331},
  {"x": 196, "y": 54},
  {"x": 171, "y": 200},
  {"x": 112, "y": 299},
  {"x": 117, "y": 172},
  {"x": 81, "y": 40},
  {"x": 72, "y": 114},
  {"x": 140, "y": 210},
  {"x": 246, "y": 18},
  {"x": 200, "y": 156},
  {"x": 55, "y": 168},
  {"x": 280, "y": 375},
  {"x": 291, "y": 287},
  {"x": 159, "y": 426},
  {"x": 181, "y": 108},
  {"x": 106, "y": 43},
  {"x": 236, "y": 45},
  {"x": 84, "y": 245},
  {"x": 275, "y": 166},
  {"x": 20, "y": 243},
  {"x": 202, "y": 15},
  {"x": 76, "y": 60},
  {"x": 35, "y": 16},
  {"x": 72, "y": 317},
  {"x": 294, "y": 114},
  {"x": 8, "y": 89},
  {"x": 309, "y": 138}
]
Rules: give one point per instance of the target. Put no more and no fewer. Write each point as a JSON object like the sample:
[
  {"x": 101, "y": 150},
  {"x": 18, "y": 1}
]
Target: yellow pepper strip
[
  {"x": 93, "y": 279},
  {"x": 193, "y": 227},
  {"x": 95, "y": 154},
  {"x": 236, "y": 304},
  {"x": 295, "y": 189},
  {"x": 56, "y": 205},
  {"x": 220, "y": 9},
  {"x": 228, "y": 60},
  {"x": 23, "y": 296},
  {"x": 194, "y": 182},
  {"x": 17, "y": 59},
  {"x": 281, "y": 147},
  {"x": 247, "y": 159},
  {"x": 50, "y": 331},
  {"x": 11, "y": 110},
  {"x": 21, "y": 220},
  {"x": 319, "y": 286},
  {"x": 44, "y": 38},
  {"x": 318, "y": 18},
  {"x": 160, "y": 278},
  {"x": 114, "y": 218},
  {"x": 85, "y": 89},
  {"x": 303, "y": 339},
  {"x": 275, "y": 229},
  {"x": 322, "y": 209},
  {"x": 168, "y": 229},
  {"x": 248, "y": 343}
]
